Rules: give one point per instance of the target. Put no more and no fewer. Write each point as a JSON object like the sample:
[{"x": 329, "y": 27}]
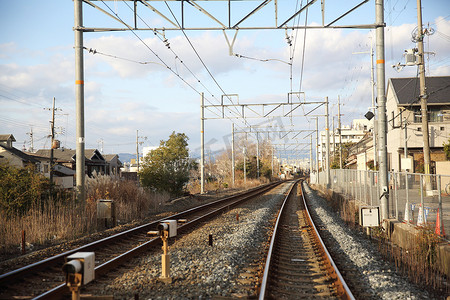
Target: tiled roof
[
  {"x": 5, "y": 137},
  {"x": 407, "y": 90},
  {"x": 20, "y": 154}
]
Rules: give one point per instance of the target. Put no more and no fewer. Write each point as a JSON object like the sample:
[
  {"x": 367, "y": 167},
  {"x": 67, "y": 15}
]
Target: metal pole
[
  {"x": 245, "y": 167},
  {"x": 441, "y": 221},
  {"x": 382, "y": 119},
  {"x": 422, "y": 203},
  {"x": 407, "y": 195},
  {"x": 79, "y": 98},
  {"x": 202, "y": 146},
  {"x": 334, "y": 139},
  {"x": 327, "y": 132},
  {"x": 340, "y": 132},
  {"x": 423, "y": 98},
  {"x": 232, "y": 154},
  {"x": 257, "y": 154},
  {"x": 310, "y": 154},
  {"x": 317, "y": 149},
  {"x": 272, "y": 159},
  {"x": 137, "y": 150},
  {"x": 373, "y": 108},
  {"x": 406, "y": 139}
]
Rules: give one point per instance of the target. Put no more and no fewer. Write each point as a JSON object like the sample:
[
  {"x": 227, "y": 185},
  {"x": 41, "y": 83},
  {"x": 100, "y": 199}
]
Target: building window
[
  {"x": 434, "y": 115},
  {"x": 45, "y": 168},
  {"x": 419, "y": 128},
  {"x": 442, "y": 128}
]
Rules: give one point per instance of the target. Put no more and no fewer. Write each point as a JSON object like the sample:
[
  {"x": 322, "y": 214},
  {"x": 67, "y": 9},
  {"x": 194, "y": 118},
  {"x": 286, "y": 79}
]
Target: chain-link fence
[{"x": 413, "y": 198}]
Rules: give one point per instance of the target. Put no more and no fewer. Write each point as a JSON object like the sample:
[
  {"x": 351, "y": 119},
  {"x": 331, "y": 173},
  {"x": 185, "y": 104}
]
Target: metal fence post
[
  {"x": 421, "y": 199},
  {"x": 395, "y": 193},
  {"x": 439, "y": 214}
]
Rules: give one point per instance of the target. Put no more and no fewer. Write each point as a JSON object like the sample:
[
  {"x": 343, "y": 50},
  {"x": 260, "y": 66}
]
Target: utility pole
[
  {"x": 137, "y": 150},
  {"x": 202, "y": 145},
  {"x": 31, "y": 139},
  {"x": 317, "y": 148},
  {"x": 340, "y": 132},
  {"x": 52, "y": 133},
  {"x": 373, "y": 107},
  {"x": 382, "y": 132},
  {"x": 232, "y": 154},
  {"x": 79, "y": 95},
  {"x": 327, "y": 132},
  {"x": 423, "y": 98}
]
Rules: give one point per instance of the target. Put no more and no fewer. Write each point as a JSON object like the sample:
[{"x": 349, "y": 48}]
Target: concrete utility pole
[
  {"x": 79, "y": 95},
  {"x": 202, "y": 145},
  {"x": 327, "y": 132},
  {"x": 423, "y": 98},
  {"x": 382, "y": 132},
  {"x": 52, "y": 132},
  {"x": 232, "y": 154}
]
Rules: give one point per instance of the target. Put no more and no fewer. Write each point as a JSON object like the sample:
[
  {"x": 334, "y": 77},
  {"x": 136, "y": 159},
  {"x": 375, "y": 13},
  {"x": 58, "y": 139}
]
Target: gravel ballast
[
  {"x": 380, "y": 278},
  {"x": 199, "y": 271}
]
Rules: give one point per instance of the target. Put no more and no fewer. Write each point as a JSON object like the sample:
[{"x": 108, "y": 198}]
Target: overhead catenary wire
[
  {"x": 199, "y": 57},
  {"x": 159, "y": 58}
]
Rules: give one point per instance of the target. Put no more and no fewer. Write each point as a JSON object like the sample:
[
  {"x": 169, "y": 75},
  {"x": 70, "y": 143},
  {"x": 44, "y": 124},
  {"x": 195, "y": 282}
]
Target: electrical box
[
  {"x": 410, "y": 57},
  {"x": 369, "y": 216},
  {"x": 87, "y": 260},
  {"x": 172, "y": 227}
]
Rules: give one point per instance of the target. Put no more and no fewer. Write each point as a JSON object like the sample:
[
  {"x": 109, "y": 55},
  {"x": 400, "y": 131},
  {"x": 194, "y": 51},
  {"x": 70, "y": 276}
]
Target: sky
[{"x": 134, "y": 81}]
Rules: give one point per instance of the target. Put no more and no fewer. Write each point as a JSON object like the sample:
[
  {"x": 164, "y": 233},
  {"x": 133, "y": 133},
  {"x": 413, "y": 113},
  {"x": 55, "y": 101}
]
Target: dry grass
[{"x": 46, "y": 223}]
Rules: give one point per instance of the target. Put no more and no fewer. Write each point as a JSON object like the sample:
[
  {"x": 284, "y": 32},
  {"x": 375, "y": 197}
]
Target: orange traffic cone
[{"x": 439, "y": 231}]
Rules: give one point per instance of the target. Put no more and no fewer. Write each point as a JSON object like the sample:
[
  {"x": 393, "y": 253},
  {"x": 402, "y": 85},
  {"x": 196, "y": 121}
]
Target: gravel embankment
[
  {"x": 381, "y": 279},
  {"x": 228, "y": 269}
]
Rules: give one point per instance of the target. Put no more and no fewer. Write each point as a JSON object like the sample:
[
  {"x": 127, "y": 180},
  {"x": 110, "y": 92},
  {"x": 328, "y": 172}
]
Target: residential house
[
  {"x": 113, "y": 164},
  {"x": 405, "y": 122},
  {"x": 94, "y": 160},
  {"x": 13, "y": 156}
]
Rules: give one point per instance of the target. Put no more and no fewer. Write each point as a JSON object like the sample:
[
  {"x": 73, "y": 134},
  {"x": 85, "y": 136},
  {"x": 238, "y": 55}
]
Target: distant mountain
[{"x": 126, "y": 157}]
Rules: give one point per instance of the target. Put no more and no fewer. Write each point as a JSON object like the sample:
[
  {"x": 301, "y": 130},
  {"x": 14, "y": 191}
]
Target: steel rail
[
  {"x": 100, "y": 270},
  {"x": 343, "y": 290},
  {"x": 341, "y": 286},
  {"x": 265, "y": 278}
]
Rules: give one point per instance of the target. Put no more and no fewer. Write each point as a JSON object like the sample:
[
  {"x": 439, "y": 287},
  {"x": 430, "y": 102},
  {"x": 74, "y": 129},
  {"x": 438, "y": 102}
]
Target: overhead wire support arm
[
  {"x": 107, "y": 13},
  {"x": 297, "y": 13},
  {"x": 351, "y": 10},
  {"x": 252, "y": 13}
]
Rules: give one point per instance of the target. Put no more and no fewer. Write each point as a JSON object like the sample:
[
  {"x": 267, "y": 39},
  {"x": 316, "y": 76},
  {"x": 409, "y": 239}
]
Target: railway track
[
  {"x": 45, "y": 280},
  {"x": 298, "y": 264}
]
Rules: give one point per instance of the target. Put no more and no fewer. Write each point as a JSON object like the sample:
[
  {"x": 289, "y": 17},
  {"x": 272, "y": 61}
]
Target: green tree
[
  {"x": 251, "y": 168},
  {"x": 166, "y": 169},
  {"x": 447, "y": 149},
  {"x": 335, "y": 164},
  {"x": 20, "y": 188}
]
